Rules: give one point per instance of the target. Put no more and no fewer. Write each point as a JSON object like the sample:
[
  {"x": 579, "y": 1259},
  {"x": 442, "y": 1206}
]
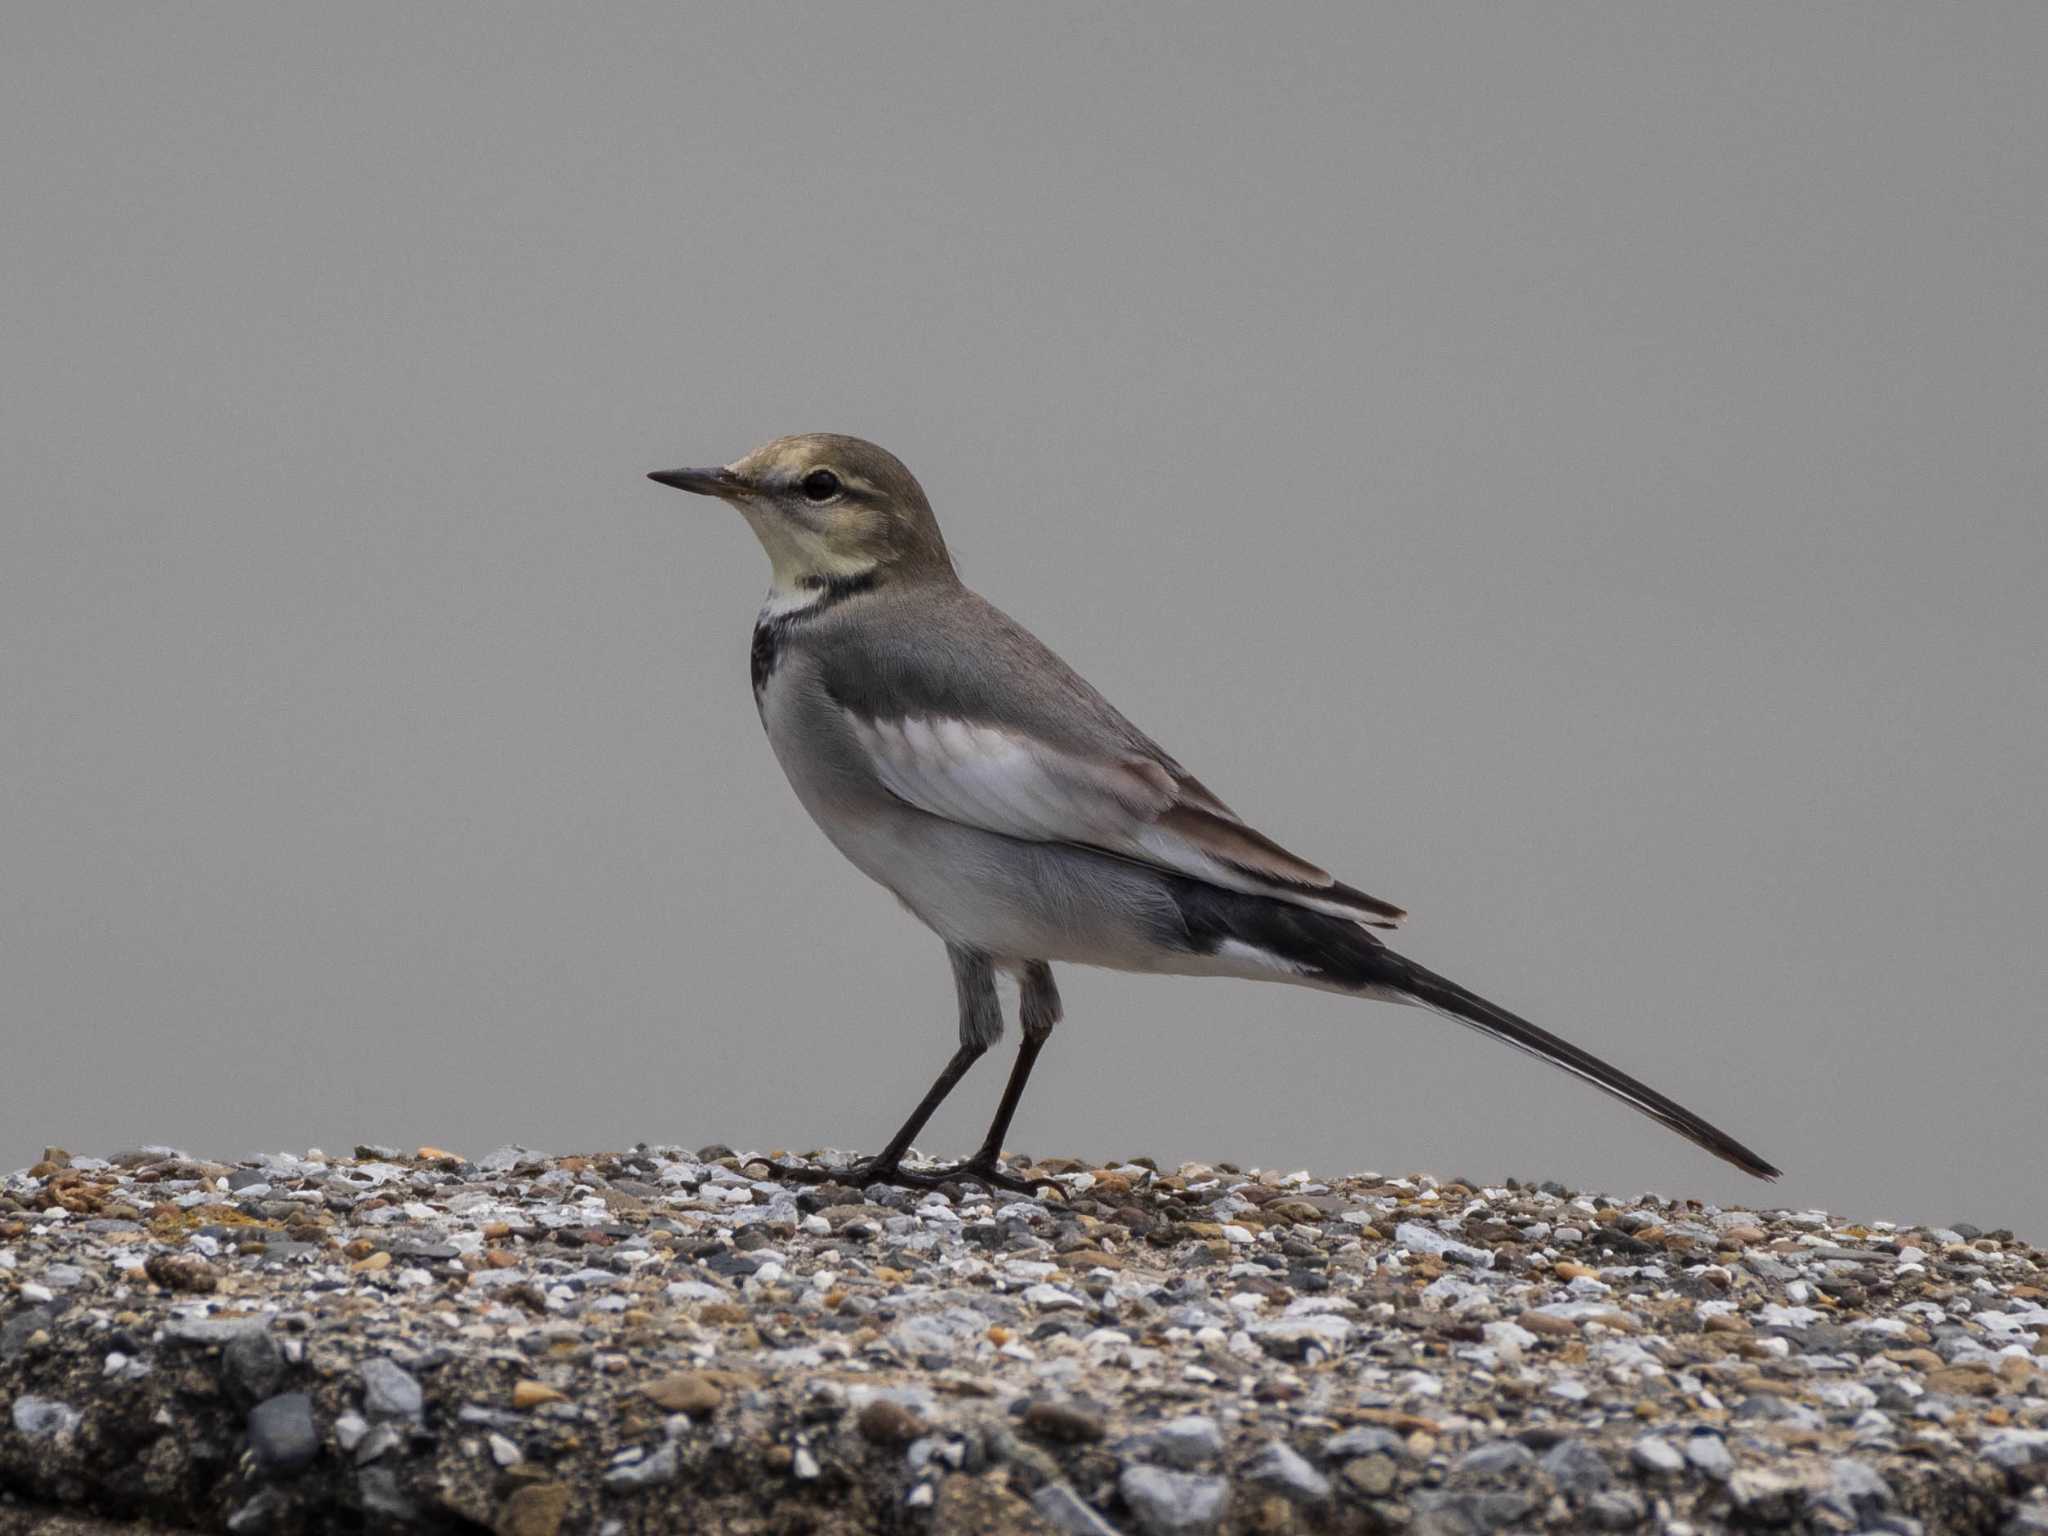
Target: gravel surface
[{"x": 657, "y": 1340}]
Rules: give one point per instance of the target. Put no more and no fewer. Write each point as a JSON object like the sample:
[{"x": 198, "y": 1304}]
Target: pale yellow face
[
  {"x": 816, "y": 514},
  {"x": 828, "y": 509}
]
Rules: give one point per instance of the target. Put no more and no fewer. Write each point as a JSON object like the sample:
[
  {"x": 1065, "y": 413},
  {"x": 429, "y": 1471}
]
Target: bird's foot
[
  {"x": 983, "y": 1168},
  {"x": 980, "y": 1169}
]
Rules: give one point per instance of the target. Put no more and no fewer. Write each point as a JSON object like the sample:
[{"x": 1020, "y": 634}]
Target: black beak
[{"x": 722, "y": 483}]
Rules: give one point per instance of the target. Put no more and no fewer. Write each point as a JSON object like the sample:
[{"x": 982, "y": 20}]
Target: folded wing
[{"x": 1131, "y": 804}]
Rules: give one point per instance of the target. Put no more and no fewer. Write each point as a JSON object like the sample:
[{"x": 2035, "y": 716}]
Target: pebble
[
  {"x": 1657, "y": 1456},
  {"x": 1496, "y": 1458},
  {"x": 283, "y": 1437},
  {"x": 690, "y": 1392},
  {"x": 390, "y": 1391},
  {"x": 646, "y": 1471},
  {"x": 36, "y": 1417},
  {"x": 1708, "y": 1452},
  {"x": 1576, "y": 1468},
  {"x": 536, "y": 1509},
  {"x": 1189, "y": 1441},
  {"x": 253, "y": 1364},
  {"x": 1155, "y": 1350},
  {"x": 1062, "y": 1509},
  {"x": 888, "y": 1422},
  {"x": 1072, "y": 1422},
  {"x": 1374, "y": 1476},
  {"x": 1164, "y": 1503},
  {"x": 1367, "y": 1440},
  {"x": 1280, "y": 1466}
]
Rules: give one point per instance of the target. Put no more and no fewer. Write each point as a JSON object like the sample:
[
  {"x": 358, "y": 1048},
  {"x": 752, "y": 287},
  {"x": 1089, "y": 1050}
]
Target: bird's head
[{"x": 827, "y": 509}]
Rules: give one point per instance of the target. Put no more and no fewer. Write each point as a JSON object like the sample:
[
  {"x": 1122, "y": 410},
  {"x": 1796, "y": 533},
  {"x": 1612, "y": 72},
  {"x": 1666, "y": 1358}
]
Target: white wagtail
[{"x": 960, "y": 763}]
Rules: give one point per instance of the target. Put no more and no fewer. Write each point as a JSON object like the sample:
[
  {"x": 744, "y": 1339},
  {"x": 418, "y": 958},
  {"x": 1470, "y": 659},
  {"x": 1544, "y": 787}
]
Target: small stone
[
  {"x": 1576, "y": 1467},
  {"x": 1062, "y": 1509},
  {"x": 527, "y": 1393},
  {"x": 253, "y": 1365},
  {"x": 1374, "y": 1476},
  {"x": 1616, "y": 1511},
  {"x": 887, "y": 1422},
  {"x": 537, "y": 1509},
  {"x": 1280, "y": 1466},
  {"x": 389, "y": 1390},
  {"x": 282, "y": 1435},
  {"x": 2016, "y": 1449},
  {"x": 259, "y": 1514},
  {"x": 349, "y": 1430},
  {"x": 689, "y": 1392},
  {"x": 1050, "y": 1298},
  {"x": 660, "y": 1467},
  {"x": 1766, "y": 1497},
  {"x": 1855, "y": 1490},
  {"x": 1496, "y": 1458},
  {"x": 503, "y": 1451},
  {"x": 1706, "y": 1451},
  {"x": 186, "y": 1272},
  {"x": 1185, "y": 1442},
  {"x": 1291, "y": 1338},
  {"x": 1657, "y": 1456},
  {"x": 1417, "y": 1238},
  {"x": 382, "y": 1498},
  {"x": 36, "y": 1417},
  {"x": 204, "y": 1332},
  {"x": 1173, "y": 1503},
  {"x": 381, "y": 1440},
  {"x": 1066, "y": 1421},
  {"x": 1365, "y": 1440}
]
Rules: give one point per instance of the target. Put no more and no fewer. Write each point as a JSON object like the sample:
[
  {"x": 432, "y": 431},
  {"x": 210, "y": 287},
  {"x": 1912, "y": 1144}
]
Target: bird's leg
[
  {"x": 981, "y": 1025},
  {"x": 1038, "y": 1011}
]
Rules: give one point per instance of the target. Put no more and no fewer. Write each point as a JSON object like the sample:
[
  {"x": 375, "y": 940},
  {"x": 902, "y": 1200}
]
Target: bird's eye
[{"x": 821, "y": 485}]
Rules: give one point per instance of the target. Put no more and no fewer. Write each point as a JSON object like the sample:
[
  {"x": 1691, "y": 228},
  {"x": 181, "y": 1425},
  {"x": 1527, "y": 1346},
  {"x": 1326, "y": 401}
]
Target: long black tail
[{"x": 1333, "y": 952}]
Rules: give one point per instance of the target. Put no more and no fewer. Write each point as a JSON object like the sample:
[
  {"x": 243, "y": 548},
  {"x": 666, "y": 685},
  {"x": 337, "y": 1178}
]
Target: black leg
[
  {"x": 981, "y": 1025},
  {"x": 1040, "y": 1008},
  {"x": 965, "y": 1057}
]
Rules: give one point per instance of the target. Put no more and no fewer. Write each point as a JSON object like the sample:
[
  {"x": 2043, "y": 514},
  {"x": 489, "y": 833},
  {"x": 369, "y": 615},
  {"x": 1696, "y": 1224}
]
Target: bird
[{"x": 958, "y": 762}]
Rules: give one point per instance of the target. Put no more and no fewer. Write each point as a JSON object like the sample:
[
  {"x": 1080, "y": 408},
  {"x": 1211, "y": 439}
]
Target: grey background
[{"x": 1577, "y": 471}]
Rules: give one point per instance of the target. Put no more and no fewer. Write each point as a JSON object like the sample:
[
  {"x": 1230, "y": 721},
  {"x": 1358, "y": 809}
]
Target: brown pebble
[
  {"x": 887, "y": 1422},
  {"x": 531, "y": 1394},
  {"x": 1544, "y": 1322},
  {"x": 1964, "y": 1381},
  {"x": 689, "y": 1392},
  {"x": 1066, "y": 1421},
  {"x": 372, "y": 1262},
  {"x": 1373, "y": 1476},
  {"x": 534, "y": 1510},
  {"x": 181, "y": 1272}
]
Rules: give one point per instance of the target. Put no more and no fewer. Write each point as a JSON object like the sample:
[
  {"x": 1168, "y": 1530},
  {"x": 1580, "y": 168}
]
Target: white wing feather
[{"x": 1135, "y": 807}]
